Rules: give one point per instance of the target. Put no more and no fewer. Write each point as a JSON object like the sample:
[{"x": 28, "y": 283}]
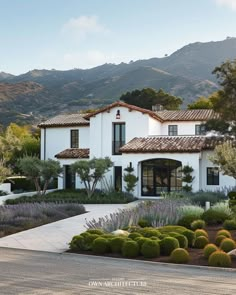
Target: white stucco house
[{"x": 155, "y": 143}]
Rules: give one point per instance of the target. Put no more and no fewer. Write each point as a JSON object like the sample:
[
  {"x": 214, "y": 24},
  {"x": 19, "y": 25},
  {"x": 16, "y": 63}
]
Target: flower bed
[{"x": 20, "y": 217}]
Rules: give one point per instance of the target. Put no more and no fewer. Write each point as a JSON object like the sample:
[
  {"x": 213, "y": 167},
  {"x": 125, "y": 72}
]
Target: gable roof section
[
  {"x": 187, "y": 115},
  {"x": 126, "y": 105},
  {"x": 73, "y": 154},
  {"x": 164, "y": 144},
  {"x": 65, "y": 121}
]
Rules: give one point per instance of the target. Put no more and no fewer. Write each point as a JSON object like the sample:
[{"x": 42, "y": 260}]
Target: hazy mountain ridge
[{"x": 39, "y": 94}]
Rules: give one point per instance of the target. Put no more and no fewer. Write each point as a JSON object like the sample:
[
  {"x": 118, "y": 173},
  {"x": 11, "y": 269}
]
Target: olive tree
[
  {"x": 91, "y": 172},
  {"x": 225, "y": 157},
  {"x": 41, "y": 172}
]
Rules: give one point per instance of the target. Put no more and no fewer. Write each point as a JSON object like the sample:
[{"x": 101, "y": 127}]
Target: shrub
[
  {"x": 198, "y": 224},
  {"x": 171, "y": 228},
  {"x": 222, "y": 207},
  {"x": 212, "y": 217},
  {"x": 134, "y": 235},
  {"x": 183, "y": 241},
  {"x": 191, "y": 236},
  {"x": 100, "y": 246},
  {"x": 144, "y": 222},
  {"x": 230, "y": 224},
  {"x": 168, "y": 245},
  {"x": 130, "y": 249},
  {"x": 201, "y": 242},
  {"x": 179, "y": 255},
  {"x": 219, "y": 259},
  {"x": 150, "y": 249},
  {"x": 209, "y": 249},
  {"x": 141, "y": 240},
  {"x": 150, "y": 232},
  {"x": 77, "y": 243},
  {"x": 116, "y": 244},
  {"x": 219, "y": 239},
  {"x": 88, "y": 240},
  {"x": 186, "y": 221},
  {"x": 200, "y": 198},
  {"x": 201, "y": 232},
  {"x": 191, "y": 210},
  {"x": 227, "y": 245},
  {"x": 232, "y": 195},
  {"x": 224, "y": 232},
  {"x": 95, "y": 231},
  {"x": 162, "y": 236}
]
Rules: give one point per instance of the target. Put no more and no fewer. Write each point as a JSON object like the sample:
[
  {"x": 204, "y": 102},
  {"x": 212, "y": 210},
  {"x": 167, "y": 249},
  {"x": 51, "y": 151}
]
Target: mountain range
[{"x": 39, "y": 94}]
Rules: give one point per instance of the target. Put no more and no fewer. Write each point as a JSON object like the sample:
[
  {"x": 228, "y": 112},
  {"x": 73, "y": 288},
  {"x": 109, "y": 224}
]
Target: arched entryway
[{"x": 160, "y": 175}]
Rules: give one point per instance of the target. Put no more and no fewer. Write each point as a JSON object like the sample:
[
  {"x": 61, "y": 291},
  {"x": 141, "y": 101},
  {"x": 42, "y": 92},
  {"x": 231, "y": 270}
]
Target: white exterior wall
[
  {"x": 154, "y": 127},
  {"x": 58, "y": 139},
  {"x": 224, "y": 181},
  {"x": 191, "y": 159},
  {"x": 184, "y": 128},
  {"x": 101, "y": 130}
]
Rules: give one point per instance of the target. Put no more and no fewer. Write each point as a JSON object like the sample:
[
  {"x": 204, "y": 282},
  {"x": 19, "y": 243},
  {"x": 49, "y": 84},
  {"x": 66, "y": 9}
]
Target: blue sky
[{"x": 65, "y": 34}]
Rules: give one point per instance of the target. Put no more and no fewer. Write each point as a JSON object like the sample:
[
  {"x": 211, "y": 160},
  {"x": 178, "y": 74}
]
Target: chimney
[{"x": 157, "y": 107}]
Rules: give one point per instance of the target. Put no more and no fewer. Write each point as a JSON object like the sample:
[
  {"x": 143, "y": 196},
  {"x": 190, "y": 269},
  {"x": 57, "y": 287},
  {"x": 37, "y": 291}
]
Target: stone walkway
[{"x": 54, "y": 237}]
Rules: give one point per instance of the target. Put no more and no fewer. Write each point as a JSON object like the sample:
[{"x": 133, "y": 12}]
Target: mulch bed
[{"x": 196, "y": 254}]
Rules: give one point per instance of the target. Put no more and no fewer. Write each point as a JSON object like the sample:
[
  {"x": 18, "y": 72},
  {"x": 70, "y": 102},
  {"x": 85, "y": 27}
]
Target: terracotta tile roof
[
  {"x": 66, "y": 120},
  {"x": 173, "y": 144},
  {"x": 187, "y": 115},
  {"x": 73, "y": 154},
  {"x": 126, "y": 105},
  {"x": 213, "y": 141}
]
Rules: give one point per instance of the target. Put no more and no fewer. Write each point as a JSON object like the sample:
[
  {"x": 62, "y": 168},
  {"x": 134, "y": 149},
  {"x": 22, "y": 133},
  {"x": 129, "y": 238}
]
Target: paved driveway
[
  {"x": 32, "y": 272},
  {"x": 54, "y": 237}
]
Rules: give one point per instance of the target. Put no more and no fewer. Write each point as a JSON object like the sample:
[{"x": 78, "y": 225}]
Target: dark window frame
[
  {"x": 172, "y": 130},
  {"x": 212, "y": 178},
  {"x": 200, "y": 129},
  {"x": 74, "y": 138},
  {"x": 117, "y": 144},
  {"x": 118, "y": 178}
]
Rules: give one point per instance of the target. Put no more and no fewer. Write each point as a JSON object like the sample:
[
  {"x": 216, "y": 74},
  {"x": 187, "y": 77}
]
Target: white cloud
[
  {"x": 89, "y": 59},
  {"x": 84, "y": 25},
  {"x": 228, "y": 3}
]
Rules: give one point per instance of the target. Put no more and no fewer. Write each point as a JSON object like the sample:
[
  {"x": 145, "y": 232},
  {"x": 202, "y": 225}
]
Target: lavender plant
[{"x": 160, "y": 213}]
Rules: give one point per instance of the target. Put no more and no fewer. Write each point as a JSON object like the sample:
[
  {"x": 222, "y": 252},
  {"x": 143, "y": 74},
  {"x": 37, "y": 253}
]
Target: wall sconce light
[{"x": 118, "y": 114}]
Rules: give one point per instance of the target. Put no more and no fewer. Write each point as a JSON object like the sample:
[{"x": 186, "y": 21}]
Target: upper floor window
[
  {"x": 118, "y": 137},
  {"x": 74, "y": 138},
  {"x": 212, "y": 176},
  {"x": 172, "y": 130},
  {"x": 200, "y": 129}
]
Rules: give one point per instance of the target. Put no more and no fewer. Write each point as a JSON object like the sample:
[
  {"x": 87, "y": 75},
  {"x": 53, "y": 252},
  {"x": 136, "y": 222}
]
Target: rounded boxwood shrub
[
  {"x": 183, "y": 241},
  {"x": 88, "y": 240},
  {"x": 219, "y": 239},
  {"x": 77, "y": 243},
  {"x": 187, "y": 220},
  {"x": 224, "y": 232},
  {"x": 201, "y": 242},
  {"x": 116, "y": 244},
  {"x": 100, "y": 246},
  {"x": 141, "y": 240},
  {"x": 198, "y": 224},
  {"x": 130, "y": 249},
  {"x": 168, "y": 244},
  {"x": 212, "y": 217},
  {"x": 191, "y": 236},
  {"x": 109, "y": 236},
  {"x": 150, "y": 249},
  {"x": 230, "y": 224},
  {"x": 134, "y": 235},
  {"x": 200, "y": 233},
  {"x": 144, "y": 222},
  {"x": 219, "y": 259},
  {"x": 95, "y": 231},
  {"x": 150, "y": 232},
  {"x": 209, "y": 249},
  {"x": 171, "y": 228},
  {"x": 179, "y": 255},
  {"x": 162, "y": 236},
  {"x": 227, "y": 245}
]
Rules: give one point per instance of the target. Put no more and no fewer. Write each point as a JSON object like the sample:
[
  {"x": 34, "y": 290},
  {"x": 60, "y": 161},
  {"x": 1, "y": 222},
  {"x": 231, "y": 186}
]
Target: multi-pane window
[
  {"x": 118, "y": 178},
  {"x": 118, "y": 137},
  {"x": 172, "y": 130},
  {"x": 200, "y": 129},
  {"x": 212, "y": 176},
  {"x": 74, "y": 138}
]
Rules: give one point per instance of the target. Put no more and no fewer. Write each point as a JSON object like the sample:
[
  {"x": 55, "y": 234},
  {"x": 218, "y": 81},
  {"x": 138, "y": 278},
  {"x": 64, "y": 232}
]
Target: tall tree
[
  {"x": 148, "y": 97},
  {"x": 224, "y": 101},
  {"x": 201, "y": 103}
]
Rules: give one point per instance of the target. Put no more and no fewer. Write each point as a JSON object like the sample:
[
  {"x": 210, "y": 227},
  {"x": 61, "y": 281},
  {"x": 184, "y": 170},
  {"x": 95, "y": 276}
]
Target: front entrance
[
  {"x": 69, "y": 178},
  {"x": 161, "y": 175}
]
